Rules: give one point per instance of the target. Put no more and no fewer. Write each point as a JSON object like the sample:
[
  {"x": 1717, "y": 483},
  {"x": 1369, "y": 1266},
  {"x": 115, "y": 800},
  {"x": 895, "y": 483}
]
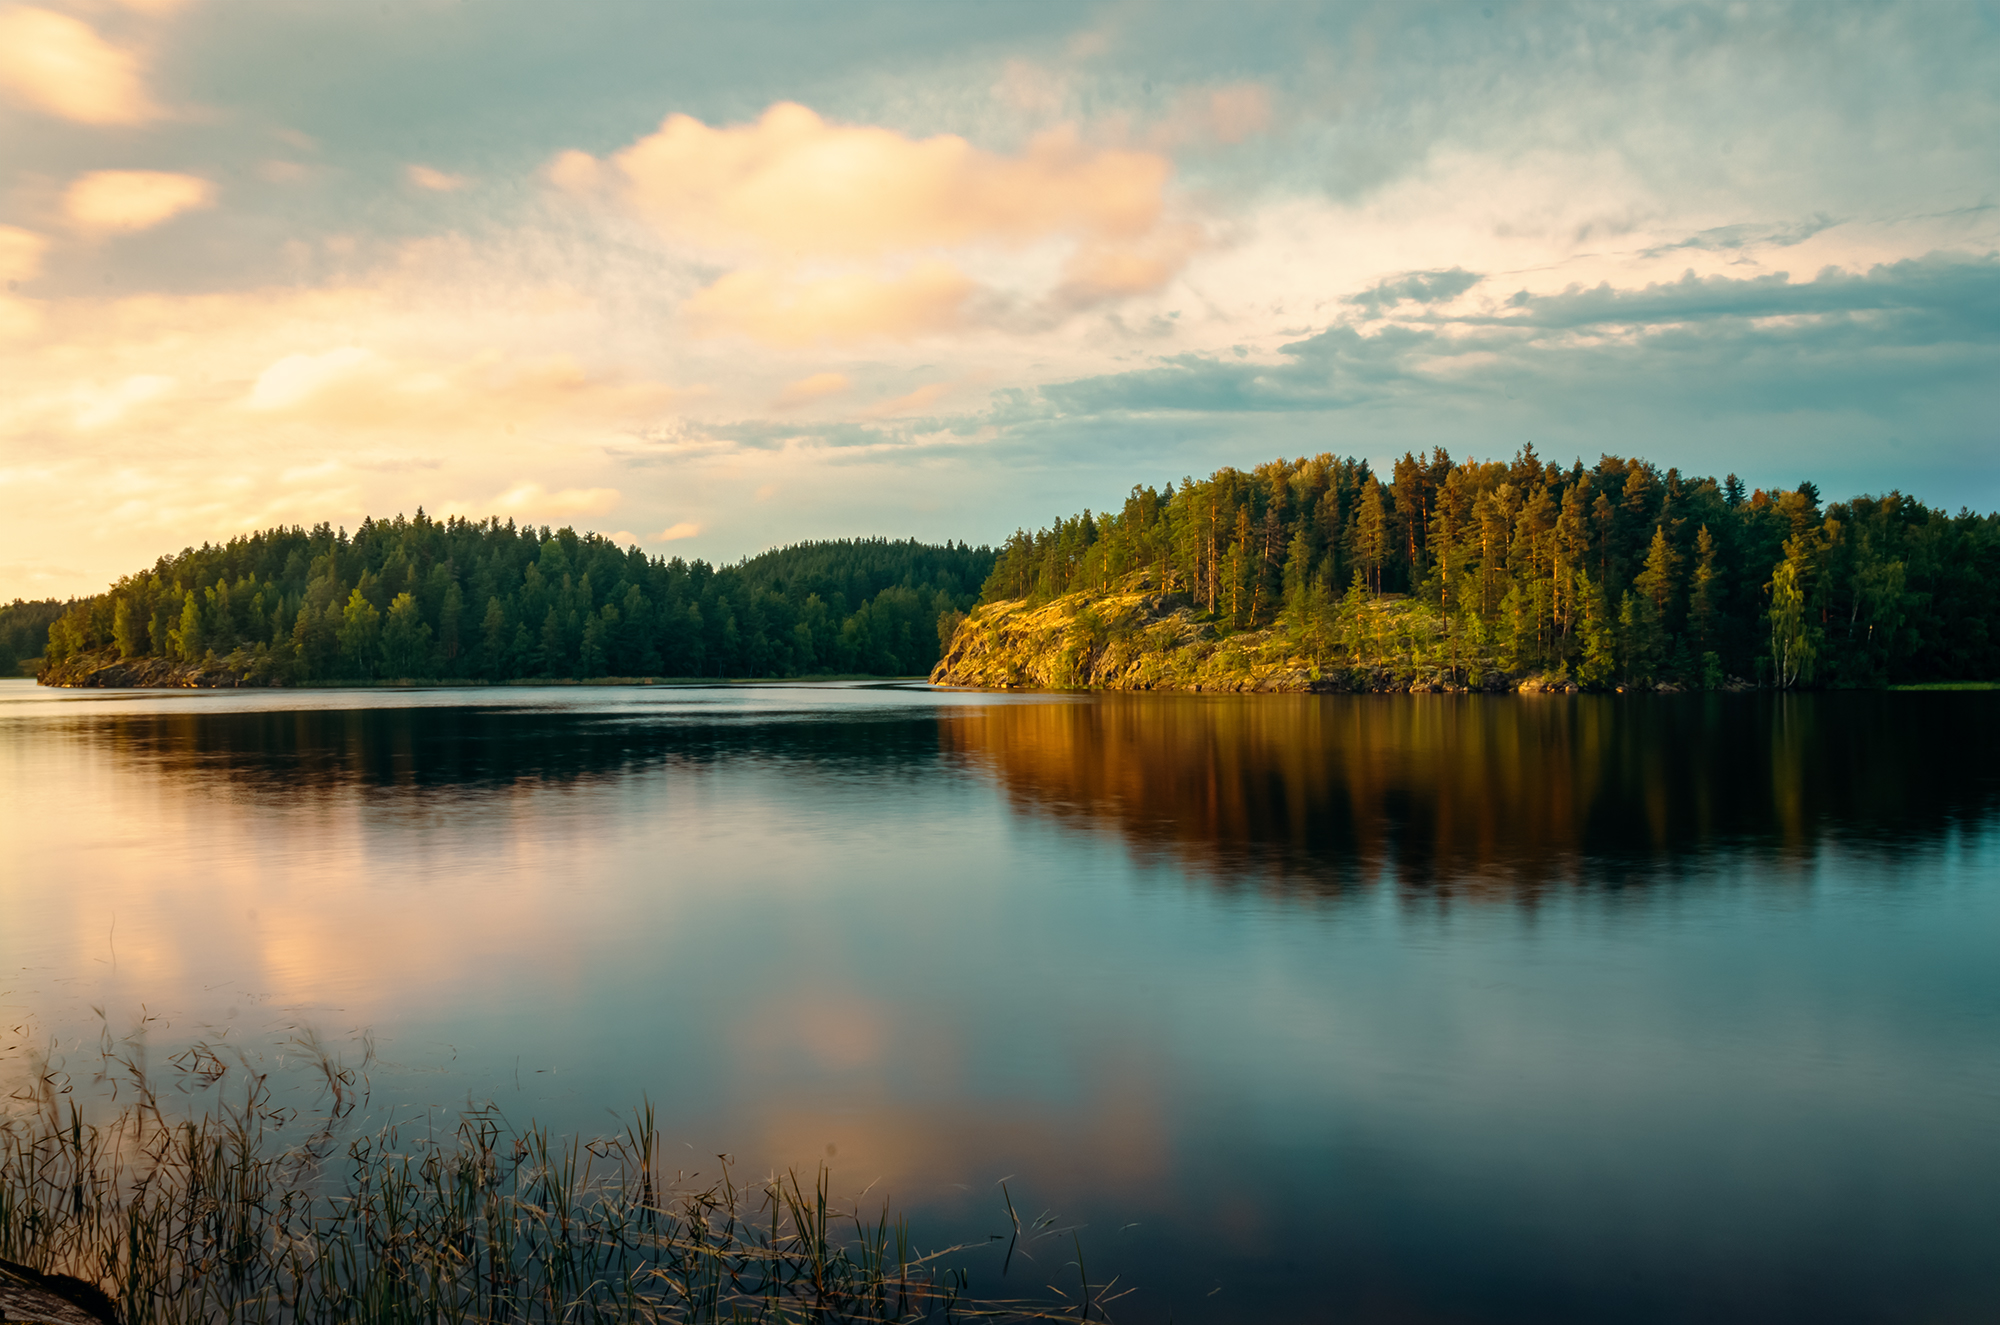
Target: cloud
[
  {"x": 526, "y": 498},
  {"x": 808, "y": 389},
  {"x": 20, "y": 260},
  {"x": 1220, "y": 115},
  {"x": 437, "y": 181},
  {"x": 108, "y": 407},
  {"x": 1732, "y": 238},
  {"x": 792, "y": 185},
  {"x": 782, "y": 309},
  {"x": 297, "y": 378},
  {"x": 838, "y": 232},
  {"x": 1419, "y": 287},
  {"x": 20, "y": 253},
  {"x": 921, "y": 399},
  {"x": 124, "y": 200},
  {"x": 59, "y": 65},
  {"x": 352, "y": 386},
  {"x": 1097, "y": 273},
  {"x": 19, "y": 318},
  {"x": 675, "y": 532},
  {"x": 1956, "y": 288},
  {"x": 1754, "y": 344}
]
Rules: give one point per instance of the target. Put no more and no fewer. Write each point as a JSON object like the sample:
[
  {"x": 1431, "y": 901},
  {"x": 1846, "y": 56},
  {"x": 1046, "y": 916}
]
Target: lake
[{"x": 1383, "y": 1008}]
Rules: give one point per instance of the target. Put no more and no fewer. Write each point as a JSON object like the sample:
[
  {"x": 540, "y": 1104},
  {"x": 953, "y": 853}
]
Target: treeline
[
  {"x": 421, "y": 599},
  {"x": 1613, "y": 574},
  {"x": 24, "y": 630}
]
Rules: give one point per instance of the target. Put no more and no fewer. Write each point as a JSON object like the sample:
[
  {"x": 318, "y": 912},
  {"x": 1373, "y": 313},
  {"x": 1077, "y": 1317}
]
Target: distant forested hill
[
  {"x": 24, "y": 630},
  {"x": 421, "y": 598},
  {"x": 1617, "y": 573}
]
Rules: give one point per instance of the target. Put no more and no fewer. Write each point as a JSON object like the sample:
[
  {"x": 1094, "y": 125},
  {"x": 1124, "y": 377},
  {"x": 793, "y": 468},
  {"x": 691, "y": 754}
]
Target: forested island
[
  {"x": 1314, "y": 574},
  {"x": 1321, "y": 574},
  {"x": 424, "y": 599}
]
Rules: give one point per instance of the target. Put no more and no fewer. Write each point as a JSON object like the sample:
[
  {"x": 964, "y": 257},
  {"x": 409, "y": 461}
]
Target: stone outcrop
[
  {"x": 105, "y": 668},
  {"x": 1156, "y": 641}
]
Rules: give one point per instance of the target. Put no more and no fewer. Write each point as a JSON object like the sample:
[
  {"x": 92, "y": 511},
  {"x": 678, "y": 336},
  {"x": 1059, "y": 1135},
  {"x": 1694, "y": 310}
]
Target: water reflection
[
  {"x": 478, "y": 749},
  {"x": 938, "y": 940},
  {"x": 1322, "y": 792}
]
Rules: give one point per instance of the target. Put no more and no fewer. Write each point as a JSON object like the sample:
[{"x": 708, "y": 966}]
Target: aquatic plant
[{"x": 215, "y": 1218}]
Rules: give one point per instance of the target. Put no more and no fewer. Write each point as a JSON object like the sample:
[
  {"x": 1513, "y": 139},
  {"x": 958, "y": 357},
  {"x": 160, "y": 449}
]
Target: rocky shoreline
[
  {"x": 105, "y": 668},
  {"x": 1157, "y": 641}
]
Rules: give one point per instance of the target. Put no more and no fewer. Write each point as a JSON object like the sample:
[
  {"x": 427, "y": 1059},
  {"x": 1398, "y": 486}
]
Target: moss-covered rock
[{"x": 1143, "y": 640}]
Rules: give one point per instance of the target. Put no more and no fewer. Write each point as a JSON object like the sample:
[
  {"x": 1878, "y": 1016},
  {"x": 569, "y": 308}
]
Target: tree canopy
[
  {"x": 420, "y": 598},
  {"x": 24, "y": 631},
  {"x": 1616, "y": 573}
]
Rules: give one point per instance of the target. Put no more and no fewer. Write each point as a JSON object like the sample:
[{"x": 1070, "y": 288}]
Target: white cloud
[
  {"x": 297, "y": 378},
  {"x": 108, "y": 407}
]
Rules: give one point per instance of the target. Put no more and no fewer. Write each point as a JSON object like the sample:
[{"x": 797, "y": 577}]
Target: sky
[{"x": 715, "y": 278}]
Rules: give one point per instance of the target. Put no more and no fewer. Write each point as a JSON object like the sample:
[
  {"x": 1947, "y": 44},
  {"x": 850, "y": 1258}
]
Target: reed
[{"x": 218, "y": 1218}]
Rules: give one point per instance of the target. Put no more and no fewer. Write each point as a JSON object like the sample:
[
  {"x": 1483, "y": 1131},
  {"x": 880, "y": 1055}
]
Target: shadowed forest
[
  {"x": 426, "y": 599},
  {"x": 1618, "y": 574},
  {"x": 24, "y": 631}
]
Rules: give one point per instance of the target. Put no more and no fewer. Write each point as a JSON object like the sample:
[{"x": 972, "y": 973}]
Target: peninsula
[{"x": 1322, "y": 575}]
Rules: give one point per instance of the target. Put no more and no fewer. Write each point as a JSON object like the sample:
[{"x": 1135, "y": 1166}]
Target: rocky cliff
[
  {"x": 1157, "y": 641},
  {"x": 105, "y": 668}
]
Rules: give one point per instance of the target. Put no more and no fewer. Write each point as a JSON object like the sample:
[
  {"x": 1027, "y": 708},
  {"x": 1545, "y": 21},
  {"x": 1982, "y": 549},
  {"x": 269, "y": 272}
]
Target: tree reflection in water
[{"x": 1506, "y": 794}]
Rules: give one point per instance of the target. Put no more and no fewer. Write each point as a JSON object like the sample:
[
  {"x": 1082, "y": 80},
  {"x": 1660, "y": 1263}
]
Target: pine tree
[
  {"x": 1353, "y": 620},
  {"x": 360, "y": 636},
  {"x": 1701, "y": 593},
  {"x": 1599, "y": 662},
  {"x": 1371, "y": 534},
  {"x": 406, "y": 639},
  {"x": 125, "y": 630},
  {"x": 189, "y": 645},
  {"x": 1655, "y": 588}
]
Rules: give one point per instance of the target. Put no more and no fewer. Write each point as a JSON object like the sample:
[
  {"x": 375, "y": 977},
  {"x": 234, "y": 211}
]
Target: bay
[{"x": 1376, "y": 1008}]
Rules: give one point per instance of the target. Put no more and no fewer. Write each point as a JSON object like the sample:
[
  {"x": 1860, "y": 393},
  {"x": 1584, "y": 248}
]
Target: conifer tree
[
  {"x": 1701, "y": 593},
  {"x": 360, "y": 636},
  {"x": 1599, "y": 662}
]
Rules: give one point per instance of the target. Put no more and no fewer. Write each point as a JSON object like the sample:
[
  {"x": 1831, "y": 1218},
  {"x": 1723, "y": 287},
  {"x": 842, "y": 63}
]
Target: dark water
[{"x": 1381, "y": 1009}]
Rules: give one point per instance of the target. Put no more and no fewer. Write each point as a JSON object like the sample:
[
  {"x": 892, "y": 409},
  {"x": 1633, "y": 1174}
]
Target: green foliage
[
  {"x": 424, "y": 599},
  {"x": 24, "y": 630},
  {"x": 1615, "y": 573}
]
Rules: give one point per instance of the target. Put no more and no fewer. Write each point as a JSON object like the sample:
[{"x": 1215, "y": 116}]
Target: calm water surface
[{"x": 1397, "y": 1008}]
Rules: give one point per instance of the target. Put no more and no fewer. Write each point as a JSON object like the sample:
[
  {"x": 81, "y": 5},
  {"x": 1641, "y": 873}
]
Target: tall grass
[{"x": 218, "y": 1218}]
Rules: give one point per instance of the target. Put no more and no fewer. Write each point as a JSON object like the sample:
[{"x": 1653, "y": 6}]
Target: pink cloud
[
  {"x": 780, "y": 309},
  {"x": 437, "y": 181},
  {"x": 808, "y": 389},
  {"x": 792, "y": 184}
]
